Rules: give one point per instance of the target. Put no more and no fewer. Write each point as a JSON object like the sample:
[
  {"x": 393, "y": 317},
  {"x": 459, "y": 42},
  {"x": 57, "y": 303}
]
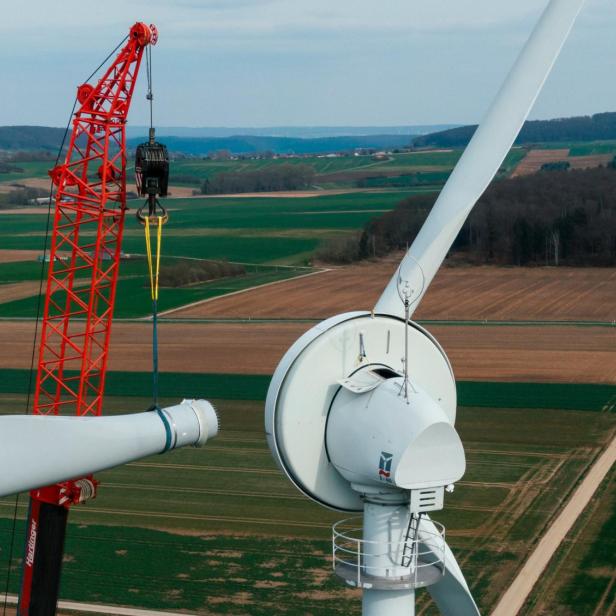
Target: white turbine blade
[
  {"x": 484, "y": 154},
  {"x": 41, "y": 450},
  {"x": 451, "y": 593}
]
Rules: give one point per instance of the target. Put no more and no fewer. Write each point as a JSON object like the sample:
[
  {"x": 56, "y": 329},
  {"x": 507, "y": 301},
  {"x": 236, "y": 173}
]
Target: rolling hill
[{"x": 598, "y": 127}]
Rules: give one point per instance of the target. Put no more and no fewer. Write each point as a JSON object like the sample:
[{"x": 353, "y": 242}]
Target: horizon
[
  {"x": 227, "y": 127},
  {"x": 264, "y": 63}
]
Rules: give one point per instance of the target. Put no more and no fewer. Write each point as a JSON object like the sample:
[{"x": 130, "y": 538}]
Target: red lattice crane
[{"x": 84, "y": 259}]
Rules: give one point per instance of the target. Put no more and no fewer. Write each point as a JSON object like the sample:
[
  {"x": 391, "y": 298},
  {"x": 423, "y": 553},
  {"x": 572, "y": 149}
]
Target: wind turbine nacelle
[
  {"x": 380, "y": 438},
  {"x": 361, "y": 351}
]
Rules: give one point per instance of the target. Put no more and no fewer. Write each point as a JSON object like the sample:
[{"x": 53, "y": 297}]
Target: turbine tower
[{"x": 360, "y": 413}]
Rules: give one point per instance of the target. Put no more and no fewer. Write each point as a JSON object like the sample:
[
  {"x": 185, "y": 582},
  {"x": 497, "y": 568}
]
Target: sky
[{"x": 302, "y": 62}]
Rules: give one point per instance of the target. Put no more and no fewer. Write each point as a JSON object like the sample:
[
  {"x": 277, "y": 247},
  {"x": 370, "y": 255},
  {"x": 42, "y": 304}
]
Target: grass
[
  {"x": 36, "y": 169},
  {"x": 256, "y": 249},
  {"x": 20, "y": 271},
  {"x": 511, "y": 161},
  {"x": 221, "y": 529},
  {"x": 581, "y": 575},
  {"x": 254, "y": 231},
  {"x": 172, "y": 569},
  {"x": 198, "y": 170},
  {"x": 337, "y": 172},
  {"x": 535, "y": 395},
  {"x": 580, "y": 148},
  {"x": 344, "y": 211},
  {"x": 229, "y": 248},
  {"x": 594, "y": 579},
  {"x": 133, "y": 292},
  {"x": 486, "y": 394},
  {"x": 435, "y": 179},
  {"x": 594, "y": 147}
]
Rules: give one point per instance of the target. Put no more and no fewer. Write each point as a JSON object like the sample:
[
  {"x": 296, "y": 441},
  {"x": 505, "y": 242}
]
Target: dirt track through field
[
  {"x": 513, "y": 600},
  {"x": 558, "y": 354},
  {"x": 462, "y": 293}
]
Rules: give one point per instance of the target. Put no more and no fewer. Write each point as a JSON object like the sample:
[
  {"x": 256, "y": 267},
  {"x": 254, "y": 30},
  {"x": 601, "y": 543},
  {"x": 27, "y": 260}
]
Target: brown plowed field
[
  {"x": 14, "y": 256},
  {"x": 463, "y": 293},
  {"x": 534, "y": 160},
  {"x": 588, "y": 162},
  {"x": 533, "y": 353},
  {"x": 20, "y": 290}
]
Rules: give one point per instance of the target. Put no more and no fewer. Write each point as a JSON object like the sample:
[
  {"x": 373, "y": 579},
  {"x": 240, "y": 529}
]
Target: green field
[
  {"x": 577, "y": 148},
  {"x": 581, "y": 575},
  {"x": 194, "y": 171},
  {"x": 261, "y": 232},
  {"x": 209, "y": 227},
  {"x": 221, "y": 529},
  {"x": 36, "y": 169},
  {"x": 428, "y": 167},
  {"x": 133, "y": 293},
  {"x": 596, "y": 147},
  {"x": 487, "y": 394},
  {"x": 271, "y": 231},
  {"x": 340, "y": 211}
]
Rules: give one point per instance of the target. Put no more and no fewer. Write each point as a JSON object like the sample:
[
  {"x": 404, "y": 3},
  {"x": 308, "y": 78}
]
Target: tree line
[
  {"x": 278, "y": 177},
  {"x": 184, "y": 272},
  {"x": 21, "y": 196},
  {"x": 600, "y": 126},
  {"x": 549, "y": 218}
]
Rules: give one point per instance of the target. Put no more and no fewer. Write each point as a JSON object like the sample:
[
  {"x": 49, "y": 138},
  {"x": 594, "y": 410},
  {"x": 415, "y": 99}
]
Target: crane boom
[
  {"x": 84, "y": 259},
  {"x": 90, "y": 205}
]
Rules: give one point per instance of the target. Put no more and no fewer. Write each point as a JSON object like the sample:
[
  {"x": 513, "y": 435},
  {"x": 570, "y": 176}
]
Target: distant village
[{"x": 223, "y": 155}]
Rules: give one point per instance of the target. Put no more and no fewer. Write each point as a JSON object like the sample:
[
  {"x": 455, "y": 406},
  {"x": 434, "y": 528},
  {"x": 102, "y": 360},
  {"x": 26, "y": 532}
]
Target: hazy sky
[{"x": 302, "y": 62}]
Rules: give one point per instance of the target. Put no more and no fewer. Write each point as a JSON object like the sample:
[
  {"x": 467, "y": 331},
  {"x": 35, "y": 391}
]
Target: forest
[
  {"x": 601, "y": 126},
  {"x": 269, "y": 179},
  {"x": 556, "y": 217}
]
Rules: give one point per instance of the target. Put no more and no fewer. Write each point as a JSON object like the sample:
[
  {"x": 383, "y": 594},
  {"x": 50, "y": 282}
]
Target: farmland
[
  {"x": 330, "y": 171},
  {"x": 429, "y": 168},
  {"x": 566, "y": 354},
  {"x": 579, "y": 157},
  {"x": 228, "y": 516},
  {"x": 582, "y": 573},
  {"x": 457, "y": 293},
  {"x": 221, "y": 531}
]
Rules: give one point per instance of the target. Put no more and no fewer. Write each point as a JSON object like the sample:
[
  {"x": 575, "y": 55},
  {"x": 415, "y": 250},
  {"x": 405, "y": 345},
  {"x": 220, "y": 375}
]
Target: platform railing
[{"x": 360, "y": 562}]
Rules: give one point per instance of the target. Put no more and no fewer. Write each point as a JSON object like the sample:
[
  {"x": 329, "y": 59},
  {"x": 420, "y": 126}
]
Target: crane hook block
[{"x": 152, "y": 169}]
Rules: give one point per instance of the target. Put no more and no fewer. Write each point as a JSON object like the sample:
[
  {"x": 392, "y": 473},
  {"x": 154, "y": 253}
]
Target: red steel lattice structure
[
  {"x": 90, "y": 205},
  {"x": 84, "y": 259}
]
